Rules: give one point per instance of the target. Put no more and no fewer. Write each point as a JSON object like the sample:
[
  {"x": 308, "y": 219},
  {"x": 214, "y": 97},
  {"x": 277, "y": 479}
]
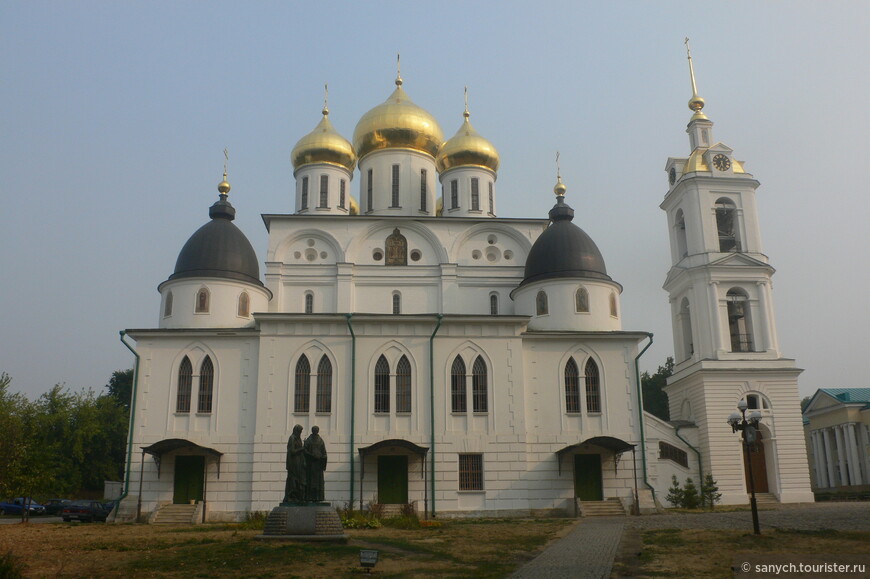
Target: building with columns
[
  {"x": 454, "y": 359},
  {"x": 837, "y": 427}
]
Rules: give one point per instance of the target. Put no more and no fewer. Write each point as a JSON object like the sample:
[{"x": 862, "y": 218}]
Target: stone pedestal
[{"x": 303, "y": 522}]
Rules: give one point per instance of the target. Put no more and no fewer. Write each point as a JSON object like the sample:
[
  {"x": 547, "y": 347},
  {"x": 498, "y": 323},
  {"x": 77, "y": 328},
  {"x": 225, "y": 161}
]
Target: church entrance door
[
  {"x": 393, "y": 480},
  {"x": 587, "y": 477},
  {"x": 759, "y": 465},
  {"x": 189, "y": 479}
]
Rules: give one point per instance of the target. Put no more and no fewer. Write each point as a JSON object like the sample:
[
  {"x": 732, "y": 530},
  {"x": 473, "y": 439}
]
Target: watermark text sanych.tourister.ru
[{"x": 787, "y": 568}]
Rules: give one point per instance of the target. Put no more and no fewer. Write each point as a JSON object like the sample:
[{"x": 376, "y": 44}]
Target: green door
[
  {"x": 189, "y": 476},
  {"x": 587, "y": 477},
  {"x": 393, "y": 480}
]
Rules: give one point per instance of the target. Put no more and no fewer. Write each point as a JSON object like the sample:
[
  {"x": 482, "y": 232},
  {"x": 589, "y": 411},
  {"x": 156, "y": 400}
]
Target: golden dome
[
  {"x": 354, "y": 206},
  {"x": 467, "y": 147},
  {"x": 323, "y": 145},
  {"x": 397, "y": 123},
  {"x": 696, "y": 163},
  {"x": 560, "y": 188}
]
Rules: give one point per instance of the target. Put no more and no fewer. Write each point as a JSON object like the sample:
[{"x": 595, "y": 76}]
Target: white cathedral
[{"x": 466, "y": 363}]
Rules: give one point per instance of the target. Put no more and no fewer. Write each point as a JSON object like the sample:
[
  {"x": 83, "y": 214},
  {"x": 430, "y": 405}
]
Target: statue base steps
[{"x": 303, "y": 522}]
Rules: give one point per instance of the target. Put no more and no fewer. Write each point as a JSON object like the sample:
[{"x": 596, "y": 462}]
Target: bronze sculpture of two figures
[{"x": 306, "y": 461}]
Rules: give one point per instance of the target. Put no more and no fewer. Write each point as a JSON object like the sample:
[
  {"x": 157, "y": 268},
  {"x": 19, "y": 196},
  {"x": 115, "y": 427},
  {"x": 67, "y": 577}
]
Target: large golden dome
[
  {"x": 467, "y": 147},
  {"x": 397, "y": 123},
  {"x": 323, "y": 145}
]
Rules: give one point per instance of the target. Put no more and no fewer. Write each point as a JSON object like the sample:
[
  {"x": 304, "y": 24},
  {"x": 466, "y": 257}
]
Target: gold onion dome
[
  {"x": 467, "y": 147},
  {"x": 323, "y": 145},
  {"x": 397, "y": 123}
]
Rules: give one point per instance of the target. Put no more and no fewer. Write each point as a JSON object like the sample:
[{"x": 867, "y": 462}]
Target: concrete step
[
  {"x": 605, "y": 508},
  {"x": 765, "y": 498},
  {"x": 175, "y": 515}
]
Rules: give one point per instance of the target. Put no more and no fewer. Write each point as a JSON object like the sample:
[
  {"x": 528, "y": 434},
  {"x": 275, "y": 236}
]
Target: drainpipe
[
  {"x": 130, "y": 428},
  {"x": 352, "y": 402},
  {"x": 698, "y": 453},
  {"x": 640, "y": 414},
  {"x": 432, "y": 406}
]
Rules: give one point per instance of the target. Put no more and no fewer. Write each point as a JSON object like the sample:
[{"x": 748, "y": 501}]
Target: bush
[
  {"x": 691, "y": 498},
  {"x": 675, "y": 493},
  {"x": 710, "y": 494},
  {"x": 11, "y": 567},
  {"x": 351, "y": 519}
]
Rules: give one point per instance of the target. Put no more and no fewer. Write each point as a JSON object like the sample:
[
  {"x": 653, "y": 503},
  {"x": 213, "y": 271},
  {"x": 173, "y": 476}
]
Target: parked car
[
  {"x": 87, "y": 511},
  {"x": 15, "y": 506},
  {"x": 53, "y": 507}
]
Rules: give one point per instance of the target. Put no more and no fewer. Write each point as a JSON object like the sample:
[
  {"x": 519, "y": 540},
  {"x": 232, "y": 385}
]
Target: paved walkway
[{"x": 587, "y": 552}]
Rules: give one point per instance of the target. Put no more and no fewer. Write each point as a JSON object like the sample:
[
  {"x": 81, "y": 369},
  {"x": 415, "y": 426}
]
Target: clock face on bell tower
[{"x": 721, "y": 162}]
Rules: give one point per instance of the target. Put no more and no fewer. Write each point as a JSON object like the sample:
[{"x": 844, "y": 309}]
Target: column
[
  {"x": 768, "y": 300},
  {"x": 852, "y": 444},
  {"x": 841, "y": 455},
  {"x": 765, "y": 319},
  {"x": 819, "y": 455},
  {"x": 716, "y": 321},
  {"x": 829, "y": 457}
]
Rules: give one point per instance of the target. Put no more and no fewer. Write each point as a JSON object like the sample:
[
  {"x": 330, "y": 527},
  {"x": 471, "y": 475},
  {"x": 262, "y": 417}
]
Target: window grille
[
  {"x": 403, "y": 385},
  {"x": 593, "y": 387},
  {"x": 302, "y": 397},
  {"x": 324, "y": 191},
  {"x": 206, "y": 386},
  {"x": 324, "y": 385},
  {"x": 471, "y": 472},
  {"x": 423, "y": 190},
  {"x": 303, "y": 205},
  {"x": 395, "y": 196},
  {"x": 475, "y": 194},
  {"x": 671, "y": 452},
  {"x": 572, "y": 387},
  {"x": 458, "y": 395},
  {"x": 382, "y": 386},
  {"x": 185, "y": 381},
  {"x": 478, "y": 386}
]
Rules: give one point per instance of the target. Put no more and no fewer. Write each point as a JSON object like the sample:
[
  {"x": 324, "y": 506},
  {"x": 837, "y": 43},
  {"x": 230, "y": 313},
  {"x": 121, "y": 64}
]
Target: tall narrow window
[
  {"x": 309, "y": 303},
  {"x": 458, "y": 395},
  {"x": 369, "y": 189},
  {"x": 478, "y": 386},
  {"x": 541, "y": 306},
  {"x": 167, "y": 305},
  {"x": 454, "y": 194},
  {"x": 493, "y": 305},
  {"x": 303, "y": 203},
  {"x": 572, "y": 387},
  {"x": 471, "y": 472},
  {"x": 397, "y": 303},
  {"x": 613, "y": 311},
  {"x": 206, "y": 386},
  {"x": 302, "y": 394},
  {"x": 475, "y": 194},
  {"x": 582, "y": 301},
  {"x": 342, "y": 195},
  {"x": 324, "y": 191},
  {"x": 382, "y": 386},
  {"x": 324, "y": 386},
  {"x": 394, "y": 202},
  {"x": 403, "y": 385},
  {"x": 185, "y": 381},
  {"x": 202, "y": 299},
  {"x": 423, "y": 190},
  {"x": 686, "y": 325},
  {"x": 739, "y": 321},
  {"x": 726, "y": 225},
  {"x": 491, "y": 204},
  {"x": 593, "y": 387},
  {"x": 680, "y": 232},
  {"x": 244, "y": 305}
]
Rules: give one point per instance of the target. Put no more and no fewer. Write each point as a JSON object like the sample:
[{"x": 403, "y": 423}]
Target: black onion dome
[
  {"x": 564, "y": 250},
  {"x": 219, "y": 249}
]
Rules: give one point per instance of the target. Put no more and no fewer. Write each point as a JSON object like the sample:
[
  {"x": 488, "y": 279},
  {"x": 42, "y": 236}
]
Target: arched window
[
  {"x": 397, "y": 303},
  {"x": 593, "y": 387},
  {"x": 309, "y": 303},
  {"x": 167, "y": 305},
  {"x": 493, "y": 304},
  {"x": 572, "y": 387},
  {"x": 454, "y": 194},
  {"x": 206, "y": 386},
  {"x": 581, "y": 299},
  {"x": 324, "y": 386},
  {"x": 403, "y": 385},
  {"x": 302, "y": 394},
  {"x": 680, "y": 231},
  {"x": 613, "y": 310},
  {"x": 394, "y": 198},
  {"x": 458, "y": 396},
  {"x": 541, "y": 306},
  {"x": 686, "y": 325},
  {"x": 739, "y": 321},
  {"x": 382, "y": 385},
  {"x": 423, "y": 190},
  {"x": 202, "y": 299},
  {"x": 304, "y": 202},
  {"x": 324, "y": 191},
  {"x": 475, "y": 194},
  {"x": 478, "y": 386},
  {"x": 726, "y": 225},
  {"x": 185, "y": 380},
  {"x": 244, "y": 305}
]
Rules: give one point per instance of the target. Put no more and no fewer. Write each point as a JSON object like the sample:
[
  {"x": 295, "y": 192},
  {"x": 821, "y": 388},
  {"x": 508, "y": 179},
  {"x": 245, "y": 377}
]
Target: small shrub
[
  {"x": 691, "y": 498},
  {"x": 11, "y": 567},
  {"x": 710, "y": 494},
  {"x": 675, "y": 493},
  {"x": 375, "y": 509},
  {"x": 254, "y": 520}
]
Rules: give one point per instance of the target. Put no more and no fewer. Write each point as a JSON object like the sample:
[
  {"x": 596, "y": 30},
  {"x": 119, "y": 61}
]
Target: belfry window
[
  {"x": 244, "y": 305},
  {"x": 403, "y": 385},
  {"x": 726, "y": 225},
  {"x": 593, "y": 387},
  {"x": 303, "y": 204},
  {"x": 202, "y": 299},
  {"x": 581, "y": 299},
  {"x": 369, "y": 188},
  {"x": 613, "y": 311},
  {"x": 458, "y": 395},
  {"x": 739, "y": 321},
  {"x": 475, "y": 194},
  {"x": 686, "y": 325},
  {"x": 167, "y": 305},
  {"x": 206, "y": 386},
  {"x": 541, "y": 306},
  {"x": 324, "y": 385},
  {"x": 185, "y": 381},
  {"x": 324, "y": 191},
  {"x": 423, "y": 190},
  {"x": 382, "y": 386},
  {"x": 572, "y": 387},
  {"x": 454, "y": 194},
  {"x": 680, "y": 232},
  {"x": 302, "y": 393}
]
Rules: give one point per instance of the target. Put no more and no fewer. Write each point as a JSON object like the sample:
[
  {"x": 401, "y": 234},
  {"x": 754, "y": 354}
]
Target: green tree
[
  {"x": 675, "y": 493},
  {"x": 710, "y": 494},
  {"x": 120, "y": 387},
  {"x": 805, "y": 401},
  {"x": 691, "y": 498},
  {"x": 655, "y": 401}
]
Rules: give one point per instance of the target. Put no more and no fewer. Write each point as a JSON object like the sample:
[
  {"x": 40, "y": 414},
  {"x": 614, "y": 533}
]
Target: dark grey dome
[
  {"x": 219, "y": 249},
  {"x": 564, "y": 250}
]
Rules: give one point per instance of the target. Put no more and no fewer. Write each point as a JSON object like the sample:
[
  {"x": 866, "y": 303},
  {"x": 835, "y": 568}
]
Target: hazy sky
[{"x": 115, "y": 115}]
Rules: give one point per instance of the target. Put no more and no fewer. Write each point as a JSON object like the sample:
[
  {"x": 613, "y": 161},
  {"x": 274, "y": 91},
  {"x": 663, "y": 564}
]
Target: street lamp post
[{"x": 749, "y": 431}]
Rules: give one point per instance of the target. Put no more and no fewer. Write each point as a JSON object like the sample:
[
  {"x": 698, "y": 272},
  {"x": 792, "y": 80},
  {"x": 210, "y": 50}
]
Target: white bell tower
[{"x": 725, "y": 341}]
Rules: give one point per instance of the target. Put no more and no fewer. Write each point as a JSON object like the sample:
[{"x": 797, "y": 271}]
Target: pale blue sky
[{"x": 114, "y": 116}]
